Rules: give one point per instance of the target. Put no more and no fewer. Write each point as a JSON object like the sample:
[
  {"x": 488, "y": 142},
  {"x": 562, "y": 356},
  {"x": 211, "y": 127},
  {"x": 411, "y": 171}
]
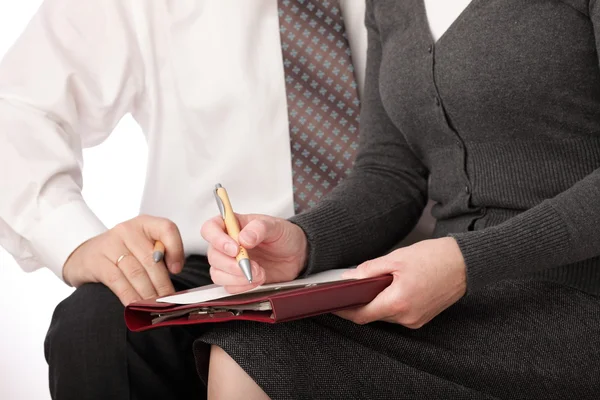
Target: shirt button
[{"x": 467, "y": 189}]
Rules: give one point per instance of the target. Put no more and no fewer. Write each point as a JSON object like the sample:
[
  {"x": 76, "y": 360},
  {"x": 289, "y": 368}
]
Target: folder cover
[{"x": 273, "y": 303}]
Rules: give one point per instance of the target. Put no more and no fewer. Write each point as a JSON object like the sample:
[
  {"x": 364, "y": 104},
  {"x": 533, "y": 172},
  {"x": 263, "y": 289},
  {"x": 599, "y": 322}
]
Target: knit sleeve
[
  {"x": 559, "y": 231},
  {"x": 380, "y": 202}
]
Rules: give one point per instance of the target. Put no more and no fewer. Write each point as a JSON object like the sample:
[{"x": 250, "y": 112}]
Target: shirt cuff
[
  {"x": 63, "y": 231},
  {"x": 530, "y": 242}
]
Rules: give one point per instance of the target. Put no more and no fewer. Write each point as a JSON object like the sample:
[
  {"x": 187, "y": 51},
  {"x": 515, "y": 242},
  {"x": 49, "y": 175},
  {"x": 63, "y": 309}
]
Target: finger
[
  {"x": 137, "y": 275},
  {"x": 222, "y": 261},
  {"x": 381, "y": 307},
  {"x": 240, "y": 289},
  {"x": 115, "y": 280},
  {"x": 222, "y": 278},
  {"x": 142, "y": 249},
  {"x": 260, "y": 229},
  {"x": 394, "y": 319},
  {"x": 368, "y": 269},
  {"x": 167, "y": 232},
  {"x": 230, "y": 266},
  {"x": 213, "y": 231}
]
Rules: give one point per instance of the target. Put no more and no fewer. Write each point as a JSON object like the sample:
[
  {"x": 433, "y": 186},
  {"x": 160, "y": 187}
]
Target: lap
[
  {"x": 515, "y": 339},
  {"x": 88, "y": 344},
  {"x": 94, "y": 303}
]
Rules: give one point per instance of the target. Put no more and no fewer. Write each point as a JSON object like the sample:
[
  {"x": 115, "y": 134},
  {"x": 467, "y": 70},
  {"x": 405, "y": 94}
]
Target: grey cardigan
[{"x": 498, "y": 122}]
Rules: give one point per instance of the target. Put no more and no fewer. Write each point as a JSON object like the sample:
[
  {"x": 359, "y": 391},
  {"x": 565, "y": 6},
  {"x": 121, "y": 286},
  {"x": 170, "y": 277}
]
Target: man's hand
[
  {"x": 429, "y": 276},
  {"x": 136, "y": 276}
]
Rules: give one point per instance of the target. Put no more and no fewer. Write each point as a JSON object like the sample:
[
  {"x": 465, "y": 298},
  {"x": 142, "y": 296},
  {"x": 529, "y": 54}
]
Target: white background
[{"x": 113, "y": 183}]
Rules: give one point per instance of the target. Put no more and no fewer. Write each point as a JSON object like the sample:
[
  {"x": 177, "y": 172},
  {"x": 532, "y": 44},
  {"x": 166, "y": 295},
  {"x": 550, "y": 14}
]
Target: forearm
[
  {"x": 69, "y": 78},
  {"x": 559, "y": 231},
  {"x": 365, "y": 216},
  {"x": 383, "y": 198},
  {"x": 44, "y": 214}
]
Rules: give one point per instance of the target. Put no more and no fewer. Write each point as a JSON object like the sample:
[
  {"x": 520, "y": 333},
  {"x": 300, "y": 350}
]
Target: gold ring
[{"x": 121, "y": 258}]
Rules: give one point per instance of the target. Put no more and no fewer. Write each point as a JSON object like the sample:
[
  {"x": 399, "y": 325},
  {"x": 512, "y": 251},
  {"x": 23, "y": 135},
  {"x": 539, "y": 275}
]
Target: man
[
  {"x": 205, "y": 80},
  {"x": 208, "y": 84}
]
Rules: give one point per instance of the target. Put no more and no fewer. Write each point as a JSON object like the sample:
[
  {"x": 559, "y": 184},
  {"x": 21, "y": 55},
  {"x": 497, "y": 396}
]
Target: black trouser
[{"x": 92, "y": 355}]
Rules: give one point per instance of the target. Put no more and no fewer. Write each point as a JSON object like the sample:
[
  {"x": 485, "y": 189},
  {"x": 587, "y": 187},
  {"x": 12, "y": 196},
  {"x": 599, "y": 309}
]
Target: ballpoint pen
[
  {"x": 159, "y": 251},
  {"x": 233, "y": 229}
]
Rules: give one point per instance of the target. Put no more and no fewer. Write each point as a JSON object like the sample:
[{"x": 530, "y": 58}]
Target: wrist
[
  {"x": 304, "y": 251},
  {"x": 455, "y": 261},
  {"x": 78, "y": 224},
  {"x": 71, "y": 259}
]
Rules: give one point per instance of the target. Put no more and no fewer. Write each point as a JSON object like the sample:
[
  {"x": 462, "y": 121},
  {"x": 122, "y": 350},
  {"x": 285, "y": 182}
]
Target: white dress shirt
[
  {"x": 204, "y": 79},
  {"x": 442, "y": 14}
]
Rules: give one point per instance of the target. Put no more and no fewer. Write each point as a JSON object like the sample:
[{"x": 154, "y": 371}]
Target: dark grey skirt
[{"x": 513, "y": 340}]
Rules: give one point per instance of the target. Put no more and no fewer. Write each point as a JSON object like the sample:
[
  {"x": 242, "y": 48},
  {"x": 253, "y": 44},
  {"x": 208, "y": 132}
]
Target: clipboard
[{"x": 321, "y": 293}]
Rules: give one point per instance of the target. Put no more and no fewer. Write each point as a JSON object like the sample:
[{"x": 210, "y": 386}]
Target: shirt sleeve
[
  {"x": 381, "y": 201},
  {"x": 72, "y": 74},
  {"x": 559, "y": 231}
]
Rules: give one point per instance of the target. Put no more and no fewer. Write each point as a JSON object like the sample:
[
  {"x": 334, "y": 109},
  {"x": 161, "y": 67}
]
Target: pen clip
[{"x": 219, "y": 201}]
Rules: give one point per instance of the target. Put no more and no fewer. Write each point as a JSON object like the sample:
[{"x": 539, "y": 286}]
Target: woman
[{"x": 497, "y": 119}]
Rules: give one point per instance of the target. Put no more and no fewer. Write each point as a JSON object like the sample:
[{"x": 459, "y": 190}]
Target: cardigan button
[
  {"x": 430, "y": 49},
  {"x": 437, "y": 101}
]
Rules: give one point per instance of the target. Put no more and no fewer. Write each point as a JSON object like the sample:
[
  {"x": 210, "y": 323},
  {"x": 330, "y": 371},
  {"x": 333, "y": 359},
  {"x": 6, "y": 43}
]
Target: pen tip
[
  {"x": 244, "y": 264},
  {"x": 157, "y": 256}
]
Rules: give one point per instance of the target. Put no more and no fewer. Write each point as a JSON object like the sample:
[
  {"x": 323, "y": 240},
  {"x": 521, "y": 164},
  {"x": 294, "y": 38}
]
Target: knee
[
  {"x": 223, "y": 368},
  {"x": 80, "y": 316}
]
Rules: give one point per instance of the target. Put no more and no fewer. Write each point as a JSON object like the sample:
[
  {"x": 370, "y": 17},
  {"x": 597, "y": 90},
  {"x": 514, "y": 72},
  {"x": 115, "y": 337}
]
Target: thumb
[
  {"x": 260, "y": 229},
  {"x": 376, "y": 267}
]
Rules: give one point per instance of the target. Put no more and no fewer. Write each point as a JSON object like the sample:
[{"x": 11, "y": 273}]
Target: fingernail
[
  {"x": 248, "y": 237},
  {"x": 231, "y": 249},
  {"x": 176, "y": 267}
]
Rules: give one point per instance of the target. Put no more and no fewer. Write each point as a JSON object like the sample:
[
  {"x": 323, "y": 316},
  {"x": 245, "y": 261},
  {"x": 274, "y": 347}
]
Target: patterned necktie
[{"x": 322, "y": 96}]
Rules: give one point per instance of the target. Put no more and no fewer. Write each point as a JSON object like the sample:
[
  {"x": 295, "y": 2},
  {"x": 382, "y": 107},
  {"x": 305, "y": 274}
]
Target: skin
[
  {"x": 223, "y": 370},
  {"x": 136, "y": 276}
]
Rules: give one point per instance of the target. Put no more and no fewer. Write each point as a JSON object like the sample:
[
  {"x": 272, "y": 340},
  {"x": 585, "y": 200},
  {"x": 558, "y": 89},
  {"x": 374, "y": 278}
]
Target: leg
[
  {"x": 515, "y": 339},
  {"x": 223, "y": 371},
  {"x": 85, "y": 346},
  {"x": 92, "y": 355}
]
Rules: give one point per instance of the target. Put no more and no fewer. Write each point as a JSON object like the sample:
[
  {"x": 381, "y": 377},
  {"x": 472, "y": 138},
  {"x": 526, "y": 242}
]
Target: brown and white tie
[{"x": 322, "y": 97}]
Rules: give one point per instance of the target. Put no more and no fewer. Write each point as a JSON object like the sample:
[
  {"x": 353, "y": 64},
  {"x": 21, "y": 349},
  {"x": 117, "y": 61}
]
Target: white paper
[{"x": 215, "y": 292}]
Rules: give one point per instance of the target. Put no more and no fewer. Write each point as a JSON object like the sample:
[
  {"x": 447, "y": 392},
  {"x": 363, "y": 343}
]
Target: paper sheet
[{"x": 215, "y": 292}]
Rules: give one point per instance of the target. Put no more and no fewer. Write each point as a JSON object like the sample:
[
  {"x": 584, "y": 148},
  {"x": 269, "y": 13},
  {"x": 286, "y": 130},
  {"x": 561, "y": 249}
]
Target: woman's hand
[
  {"x": 277, "y": 250},
  {"x": 429, "y": 276}
]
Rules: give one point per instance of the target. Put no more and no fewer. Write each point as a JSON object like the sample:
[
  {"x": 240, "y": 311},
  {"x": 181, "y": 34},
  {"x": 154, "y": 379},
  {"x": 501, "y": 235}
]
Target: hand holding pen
[
  {"x": 123, "y": 259},
  {"x": 274, "y": 247}
]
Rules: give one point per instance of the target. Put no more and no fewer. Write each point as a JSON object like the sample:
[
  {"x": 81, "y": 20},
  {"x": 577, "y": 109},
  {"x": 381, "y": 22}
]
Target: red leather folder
[{"x": 272, "y": 306}]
